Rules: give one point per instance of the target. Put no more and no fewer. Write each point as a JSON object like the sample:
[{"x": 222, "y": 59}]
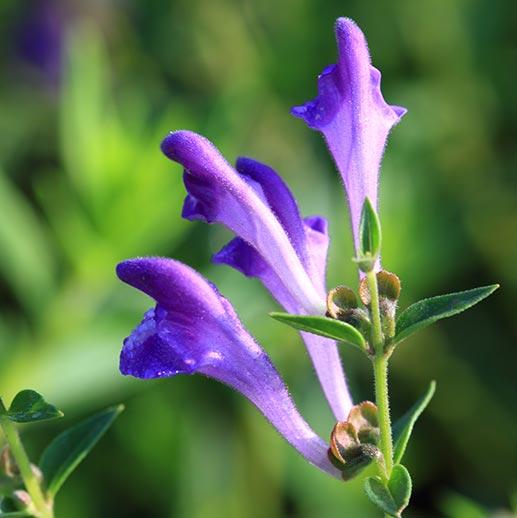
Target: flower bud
[
  {"x": 353, "y": 443},
  {"x": 367, "y": 454},
  {"x": 344, "y": 443},
  {"x": 340, "y": 301},
  {"x": 23, "y": 502},
  {"x": 37, "y": 473},
  {"x": 342, "y": 305},
  {"x": 388, "y": 285},
  {"x": 8, "y": 464},
  {"x": 365, "y": 420}
]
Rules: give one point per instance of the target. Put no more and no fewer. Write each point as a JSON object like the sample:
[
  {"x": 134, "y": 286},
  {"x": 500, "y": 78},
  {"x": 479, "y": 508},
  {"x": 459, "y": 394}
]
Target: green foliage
[
  {"x": 67, "y": 450},
  {"x": 25, "y": 252},
  {"x": 393, "y": 497},
  {"x": 323, "y": 326},
  {"x": 28, "y": 406},
  {"x": 427, "y": 311},
  {"x": 403, "y": 427}
]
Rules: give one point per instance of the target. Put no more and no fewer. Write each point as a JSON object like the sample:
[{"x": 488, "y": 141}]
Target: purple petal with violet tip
[
  {"x": 217, "y": 193},
  {"x": 353, "y": 116},
  {"x": 193, "y": 329}
]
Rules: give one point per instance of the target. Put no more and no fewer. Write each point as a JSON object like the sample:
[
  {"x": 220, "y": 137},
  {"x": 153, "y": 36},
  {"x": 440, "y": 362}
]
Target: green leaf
[
  {"x": 323, "y": 326},
  {"x": 400, "y": 486},
  {"x": 404, "y": 426},
  {"x": 28, "y": 406},
  {"x": 369, "y": 232},
  {"x": 69, "y": 448},
  {"x": 380, "y": 495},
  {"x": 394, "y": 497},
  {"x": 427, "y": 311}
]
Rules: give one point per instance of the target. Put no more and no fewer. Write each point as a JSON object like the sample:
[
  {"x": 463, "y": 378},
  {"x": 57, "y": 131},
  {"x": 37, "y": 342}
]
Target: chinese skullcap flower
[
  {"x": 194, "y": 329},
  {"x": 353, "y": 116},
  {"x": 287, "y": 253}
]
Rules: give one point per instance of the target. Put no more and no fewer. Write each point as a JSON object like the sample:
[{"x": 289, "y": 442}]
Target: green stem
[
  {"x": 377, "y": 338},
  {"x": 380, "y": 370},
  {"x": 20, "y": 456}
]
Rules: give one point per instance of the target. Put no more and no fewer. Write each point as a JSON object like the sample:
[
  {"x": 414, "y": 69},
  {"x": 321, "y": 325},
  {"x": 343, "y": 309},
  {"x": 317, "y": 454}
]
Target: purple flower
[
  {"x": 287, "y": 253},
  {"x": 40, "y": 39},
  {"x": 194, "y": 329},
  {"x": 353, "y": 116}
]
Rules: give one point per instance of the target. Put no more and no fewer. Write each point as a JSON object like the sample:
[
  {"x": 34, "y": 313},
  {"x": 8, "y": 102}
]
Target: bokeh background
[{"x": 87, "y": 91}]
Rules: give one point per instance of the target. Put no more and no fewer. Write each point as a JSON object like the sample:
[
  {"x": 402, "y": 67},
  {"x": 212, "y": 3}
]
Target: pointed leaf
[
  {"x": 427, "y": 311},
  {"x": 323, "y": 326},
  {"x": 369, "y": 231},
  {"x": 69, "y": 448},
  {"x": 404, "y": 426},
  {"x": 28, "y": 406}
]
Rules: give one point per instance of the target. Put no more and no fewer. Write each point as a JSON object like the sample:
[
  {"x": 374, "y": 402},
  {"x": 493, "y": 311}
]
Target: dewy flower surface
[
  {"x": 194, "y": 329},
  {"x": 288, "y": 254},
  {"x": 353, "y": 116}
]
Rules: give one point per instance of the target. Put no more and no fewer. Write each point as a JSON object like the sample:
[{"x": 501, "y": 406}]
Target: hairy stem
[
  {"x": 20, "y": 456},
  {"x": 380, "y": 370},
  {"x": 377, "y": 338}
]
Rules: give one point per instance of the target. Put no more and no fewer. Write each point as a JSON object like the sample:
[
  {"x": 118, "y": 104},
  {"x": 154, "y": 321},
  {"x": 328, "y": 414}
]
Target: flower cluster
[{"x": 193, "y": 328}]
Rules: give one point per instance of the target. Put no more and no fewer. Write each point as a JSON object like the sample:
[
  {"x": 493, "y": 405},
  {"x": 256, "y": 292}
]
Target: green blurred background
[{"x": 87, "y": 91}]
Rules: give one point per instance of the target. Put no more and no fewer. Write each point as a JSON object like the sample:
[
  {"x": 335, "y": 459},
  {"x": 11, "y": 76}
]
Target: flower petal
[
  {"x": 146, "y": 355},
  {"x": 279, "y": 199},
  {"x": 324, "y": 355},
  {"x": 247, "y": 202},
  {"x": 322, "y": 351},
  {"x": 353, "y": 116},
  {"x": 317, "y": 239},
  {"x": 217, "y": 193},
  {"x": 244, "y": 258},
  {"x": 193, "y": 329}
]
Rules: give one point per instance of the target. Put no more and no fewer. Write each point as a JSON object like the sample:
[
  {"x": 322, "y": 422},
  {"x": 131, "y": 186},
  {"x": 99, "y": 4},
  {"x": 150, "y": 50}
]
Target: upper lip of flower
[{"x": 219, "y": 194}]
